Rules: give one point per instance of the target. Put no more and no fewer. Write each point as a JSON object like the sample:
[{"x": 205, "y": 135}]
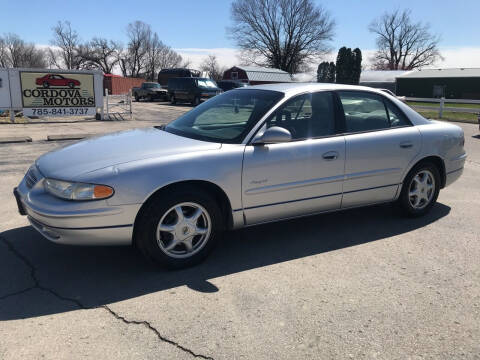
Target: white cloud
[
  {"x": 456, "y": 57},
  {"x": 226, "y": 57}
]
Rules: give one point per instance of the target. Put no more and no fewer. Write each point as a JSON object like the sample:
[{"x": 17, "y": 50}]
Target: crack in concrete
[
  {"x": 149, "y": 326},
  {"x": 37, "y": 285},
  {"x": 17, "y": 292}
]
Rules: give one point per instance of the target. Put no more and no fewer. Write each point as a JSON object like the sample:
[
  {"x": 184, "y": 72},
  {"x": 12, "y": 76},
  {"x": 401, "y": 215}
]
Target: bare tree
[
  {"x": 284, "y": 34},
  {"x": 133, "y": 60},
  {"x": 211, "y": 66},
  {"x": 145, "y": 54},
  {"x": 66, "y": 52},
  {"x": 159, "y": 56},
  {"x": 403, "y": 44},
  {"x": 14, "y": 52},
  {"x": 100, "y": 53}
]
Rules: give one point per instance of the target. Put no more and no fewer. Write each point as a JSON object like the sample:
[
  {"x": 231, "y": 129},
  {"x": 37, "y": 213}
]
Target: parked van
[
  {"x": 166, "y": 74},
  {"x": 192, "y": 90},
  {"x": 226, "y": 85}
]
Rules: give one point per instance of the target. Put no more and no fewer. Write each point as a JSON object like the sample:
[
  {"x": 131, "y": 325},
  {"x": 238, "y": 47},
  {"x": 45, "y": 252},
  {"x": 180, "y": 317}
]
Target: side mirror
[{"x": 273, "y": 135}]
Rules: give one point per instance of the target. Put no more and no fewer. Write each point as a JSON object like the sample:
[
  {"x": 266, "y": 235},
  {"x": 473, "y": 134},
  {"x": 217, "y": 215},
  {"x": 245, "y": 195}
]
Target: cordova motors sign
[{"x": 48, "y": 93}]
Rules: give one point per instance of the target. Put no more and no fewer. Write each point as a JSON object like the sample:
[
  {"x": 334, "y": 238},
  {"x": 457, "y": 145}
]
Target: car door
[
  {"x": 380, "y": 144},
  {"x": 302, "y": 176},
  {"x": 57, "y": 80}
]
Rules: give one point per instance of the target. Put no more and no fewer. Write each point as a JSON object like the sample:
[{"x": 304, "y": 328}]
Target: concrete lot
[
  {"x": 360, "y": 284},
  {"x": 144, "y": 114}
]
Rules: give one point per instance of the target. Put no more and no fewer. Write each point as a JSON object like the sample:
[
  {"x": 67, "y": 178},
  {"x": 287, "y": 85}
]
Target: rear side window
[
  {"x": 363, "y": 111},
  {"x": 306, "y": 116},
  {"x": 396, "y": 117}
]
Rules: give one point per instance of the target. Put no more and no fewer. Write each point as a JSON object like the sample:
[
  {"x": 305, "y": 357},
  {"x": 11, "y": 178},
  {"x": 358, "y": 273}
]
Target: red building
[
  {"x": 117, "y": 84},
  {"x": 257, "y": 75}
]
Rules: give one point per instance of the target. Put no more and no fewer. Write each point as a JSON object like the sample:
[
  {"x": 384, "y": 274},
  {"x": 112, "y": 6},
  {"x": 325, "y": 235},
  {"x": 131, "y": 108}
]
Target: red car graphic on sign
[{"x": 56, "y": 80}]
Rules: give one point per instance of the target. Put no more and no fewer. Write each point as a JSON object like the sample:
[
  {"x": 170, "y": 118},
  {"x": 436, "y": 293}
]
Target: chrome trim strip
[
  {"x": 459, "y": 157},
  {"x": 293, "y": 185},
  {"x": 82, "y": 228},
  {"x": 381, "y": 172},
  {"x": 453, "y": 171},
  {"x": 319, "y": 197}
]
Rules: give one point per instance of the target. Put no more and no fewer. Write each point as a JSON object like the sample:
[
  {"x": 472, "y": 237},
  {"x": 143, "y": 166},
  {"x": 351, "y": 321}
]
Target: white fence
[
  {"x": 117, "y": 107},
  {"x": 441, "y": 105}
]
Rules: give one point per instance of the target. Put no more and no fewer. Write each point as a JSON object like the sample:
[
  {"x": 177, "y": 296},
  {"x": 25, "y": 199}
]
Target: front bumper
[
  {"x": 75, "y": 222},
  {"x": 159, "y": 95}
]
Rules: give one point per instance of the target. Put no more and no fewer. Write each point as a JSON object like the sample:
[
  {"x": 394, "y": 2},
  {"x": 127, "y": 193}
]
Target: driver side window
[{"x": 306, "y": 116}]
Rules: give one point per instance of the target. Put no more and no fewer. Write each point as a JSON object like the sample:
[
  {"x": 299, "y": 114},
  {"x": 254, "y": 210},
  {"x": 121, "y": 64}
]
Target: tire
[
  {"x": 196, "y": 101},
  {"x": 173, "y": 101},
  {"x": 171, "y": 244},
  {"x": 149, "y": 98},
  {"x": 71, "y": 85},
  {"x": 46, "y": 85},
  {"x": 137, "y": 99},
  {"x": 420, "y": 190}
]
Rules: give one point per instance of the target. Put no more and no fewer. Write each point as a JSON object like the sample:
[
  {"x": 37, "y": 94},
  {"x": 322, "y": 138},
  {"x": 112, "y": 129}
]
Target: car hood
[{"x": 99, "y": 152}]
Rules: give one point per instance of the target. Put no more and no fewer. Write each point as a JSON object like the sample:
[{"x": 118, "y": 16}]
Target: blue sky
[{"x": 188, "y": 24}]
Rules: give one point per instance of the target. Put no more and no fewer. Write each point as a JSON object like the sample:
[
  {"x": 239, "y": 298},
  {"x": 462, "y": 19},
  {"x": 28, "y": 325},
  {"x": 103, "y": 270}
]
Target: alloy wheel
[
  {"x": 421, "y": 189},
  {"x": 183, "y": 230}
]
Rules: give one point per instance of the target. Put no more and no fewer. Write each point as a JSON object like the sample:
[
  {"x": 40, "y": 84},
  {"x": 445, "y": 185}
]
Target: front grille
[{"x": 31, "y": 177}]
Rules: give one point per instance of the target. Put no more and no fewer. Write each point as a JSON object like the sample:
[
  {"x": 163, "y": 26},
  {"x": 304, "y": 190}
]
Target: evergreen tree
[
  {"x": 322, "y": 72},
  {"x": 342, "y": 60},
  {"x": 349, "y": 66},
  {"x": 357, "y": 66},
  {"x": 331, "y": 73}
]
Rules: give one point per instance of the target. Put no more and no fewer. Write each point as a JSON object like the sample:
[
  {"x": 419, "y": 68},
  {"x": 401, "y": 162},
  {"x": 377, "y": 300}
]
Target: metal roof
[
  {"x": 380, "y": 75},
  {"x": 255, "y": 73},
  {"x": 441, "y": 73}
]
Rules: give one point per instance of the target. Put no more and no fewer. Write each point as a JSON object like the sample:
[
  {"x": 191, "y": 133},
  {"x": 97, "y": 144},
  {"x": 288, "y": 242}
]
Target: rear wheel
[
  {"x": 420, "y": 189},
  {"x": 137, "y": 98},
  {"x": 179, "y": 228},
  {"x": 196, "y": 101},
  {"x": 173, "y": 100},
  {"x": 46, "y": 84}
]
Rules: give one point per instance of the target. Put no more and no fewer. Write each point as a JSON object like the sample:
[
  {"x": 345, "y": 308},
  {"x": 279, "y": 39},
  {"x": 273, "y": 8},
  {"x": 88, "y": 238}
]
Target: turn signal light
[{"x": 102, "y": 191}]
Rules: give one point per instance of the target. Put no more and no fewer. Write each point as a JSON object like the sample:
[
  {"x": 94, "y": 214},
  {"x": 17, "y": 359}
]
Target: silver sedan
[{"x": 246, "y": 157}]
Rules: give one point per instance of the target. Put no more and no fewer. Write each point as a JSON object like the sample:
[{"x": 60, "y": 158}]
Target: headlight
[{"x": 77, "y": 191}]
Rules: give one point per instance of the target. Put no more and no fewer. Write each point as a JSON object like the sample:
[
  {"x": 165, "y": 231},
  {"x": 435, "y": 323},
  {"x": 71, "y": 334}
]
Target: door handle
[
  {"x": 331, "y": 155},
  {"x": 406, "y": 145}
]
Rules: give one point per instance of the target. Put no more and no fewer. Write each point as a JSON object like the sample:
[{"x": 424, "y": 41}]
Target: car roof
[
  {"x": 296, "y": 88},
  {"x": 292, "y": 89}
]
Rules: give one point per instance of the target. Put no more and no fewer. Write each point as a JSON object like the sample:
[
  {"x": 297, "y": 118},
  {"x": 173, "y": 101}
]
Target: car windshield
[
  {"x": 206, "y": 84},
  {"x": 226, "y": 118},
  {"x": 152, "y": 85}
]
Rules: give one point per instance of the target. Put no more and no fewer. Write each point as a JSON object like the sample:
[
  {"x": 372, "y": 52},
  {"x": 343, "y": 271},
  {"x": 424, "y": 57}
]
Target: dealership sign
[{"x": 57, "y": 94}]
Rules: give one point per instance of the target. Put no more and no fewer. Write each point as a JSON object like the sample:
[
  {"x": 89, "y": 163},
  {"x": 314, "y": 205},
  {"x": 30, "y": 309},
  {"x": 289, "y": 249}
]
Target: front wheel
[
  {"x": 137, "y": 99},
  {"x": 173, "y": 101},
  {"x": 179, "y": 228},
  {"x": 196, "y": 101},
  {"x": 420, "y": 190}
]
